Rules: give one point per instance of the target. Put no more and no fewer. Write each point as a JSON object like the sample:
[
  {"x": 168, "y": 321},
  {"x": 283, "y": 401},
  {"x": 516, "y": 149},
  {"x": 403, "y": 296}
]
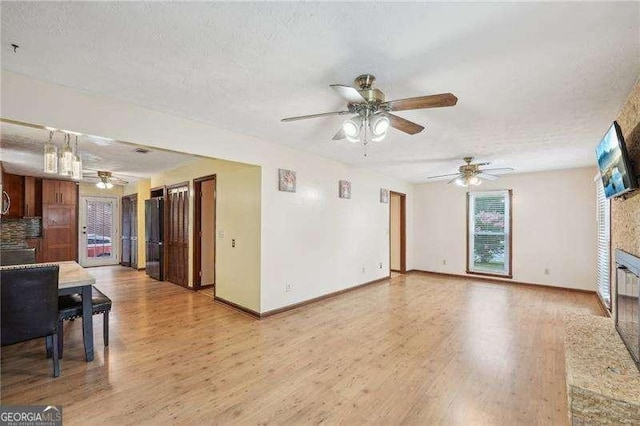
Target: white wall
[
  {"x": 554, "y": 227},
  {"x": 311, "y": 239}
]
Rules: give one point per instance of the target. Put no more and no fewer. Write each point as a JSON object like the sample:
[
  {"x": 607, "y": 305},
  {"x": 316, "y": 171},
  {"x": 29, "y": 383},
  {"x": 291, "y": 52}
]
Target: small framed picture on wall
[
  {"x": 344, "y": 189},
  {"x": 286, "y": 180},
  {"x": 384, "y": 195}
]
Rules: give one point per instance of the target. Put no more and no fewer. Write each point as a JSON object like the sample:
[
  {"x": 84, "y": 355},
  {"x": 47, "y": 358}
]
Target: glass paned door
[{"x": 98, "y": 244}]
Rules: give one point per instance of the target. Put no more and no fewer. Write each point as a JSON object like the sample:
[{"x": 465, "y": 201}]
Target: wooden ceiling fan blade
[
  {"x": 420, "y": 102},
  {"x": 323, "y": 114},
  {"x": 339, "y": 135},
  {"x": 487, "y": 176},
  {"x": 348, "y": 92},
  {"x": 404, "y": 125},
  {"x": 447, "y": 175}
]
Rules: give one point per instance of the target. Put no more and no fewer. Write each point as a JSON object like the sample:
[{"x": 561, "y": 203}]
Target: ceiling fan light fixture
[
  {"x": 352, "y": 129},
  {"x": 380, "y": 125},
  {"x": 461, "y": 182},
  {"x": 474, "y": 180}
]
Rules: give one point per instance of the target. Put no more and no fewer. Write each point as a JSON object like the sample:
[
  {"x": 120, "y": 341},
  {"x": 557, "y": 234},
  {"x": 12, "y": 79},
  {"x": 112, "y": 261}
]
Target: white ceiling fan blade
[
  {"x": 348, "y": 92},
  {"x": 322, "y": 114},
  {"x": 439, "y": 176},
  {"x": 497, "y": 169},
  {"x": 339, "y": 135},
  {"x": 487, "y": 176}
]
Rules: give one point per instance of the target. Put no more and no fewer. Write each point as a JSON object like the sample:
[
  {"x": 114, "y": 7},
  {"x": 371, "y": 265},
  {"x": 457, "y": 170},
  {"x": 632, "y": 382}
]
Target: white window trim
[{"x": 508, "y": 194}]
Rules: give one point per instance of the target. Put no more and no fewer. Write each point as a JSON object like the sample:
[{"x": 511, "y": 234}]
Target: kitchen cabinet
[
  {"x": 59, "y": 220},
  {"x": 59, "y": 192},
  {"x": 32, "y": 196},
  {"x": 36, "y": 243},
  {"x": 13, "y": 185}
]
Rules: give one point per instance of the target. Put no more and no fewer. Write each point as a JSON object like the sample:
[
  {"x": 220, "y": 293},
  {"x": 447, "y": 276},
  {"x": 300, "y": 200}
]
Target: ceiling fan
[
  {"x": 103, "y": 179},
  {"x": 472, "y": 173},
  {"x": 372, "y": 112}
]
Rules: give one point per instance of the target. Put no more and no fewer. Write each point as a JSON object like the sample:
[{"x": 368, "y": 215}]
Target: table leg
[{"x": 87, "y": 322}]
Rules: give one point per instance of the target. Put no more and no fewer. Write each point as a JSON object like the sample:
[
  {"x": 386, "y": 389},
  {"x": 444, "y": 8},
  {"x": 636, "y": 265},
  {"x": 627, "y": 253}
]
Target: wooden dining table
[{"x": 74, "y": 279}]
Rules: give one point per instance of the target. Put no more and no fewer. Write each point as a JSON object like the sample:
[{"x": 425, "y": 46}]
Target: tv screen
[{"x": 613, "y": 162}]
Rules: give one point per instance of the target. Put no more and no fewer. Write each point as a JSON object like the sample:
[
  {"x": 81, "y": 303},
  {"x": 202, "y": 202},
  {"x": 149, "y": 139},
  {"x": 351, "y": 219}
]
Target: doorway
[
  {"x": 204, "y": 259},
  {"x": 129, "y": 231},
  {"x": 177, "y": 266},
  {"x": 98, "y": 231},
  {"x": 397, "y": 232}
]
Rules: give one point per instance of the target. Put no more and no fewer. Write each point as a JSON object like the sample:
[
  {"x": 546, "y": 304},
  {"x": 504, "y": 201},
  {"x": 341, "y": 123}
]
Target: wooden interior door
[
  {"x": 178, "y": 238},
  {"x": 133, "y": 220},
  {"x": 125, "y": 235}
]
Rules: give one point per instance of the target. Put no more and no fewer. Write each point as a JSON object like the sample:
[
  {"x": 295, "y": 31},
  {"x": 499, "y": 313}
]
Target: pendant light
[
  {"x": 76, "y": 169},
  {"x": 66, "y": 157},
  {"x": 50, "y": 156}
]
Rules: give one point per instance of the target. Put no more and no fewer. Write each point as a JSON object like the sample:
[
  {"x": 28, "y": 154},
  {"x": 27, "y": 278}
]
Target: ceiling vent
[{"x": 141, "y": 150}]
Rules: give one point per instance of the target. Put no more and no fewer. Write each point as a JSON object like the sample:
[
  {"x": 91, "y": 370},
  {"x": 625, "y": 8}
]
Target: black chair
[
  {"x": 70, "y": 307},
  {"x": 30, "y": 306}
]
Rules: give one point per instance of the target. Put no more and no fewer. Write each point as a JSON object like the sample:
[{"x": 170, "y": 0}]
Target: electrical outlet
[
  {"x": 362, "y": 269},
  {"x": 233, "y": 242},
  {"x": 289, "y": 288},
  {"x": 444, "y": 262},
  {"x": 220, "y": 234},
  {"x": 380, "y": 265},
  {"x": 547, "y": 271}
]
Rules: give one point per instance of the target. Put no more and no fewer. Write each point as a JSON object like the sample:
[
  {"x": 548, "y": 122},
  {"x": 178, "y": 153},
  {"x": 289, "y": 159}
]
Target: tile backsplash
[{"x": 13, "y": 232}]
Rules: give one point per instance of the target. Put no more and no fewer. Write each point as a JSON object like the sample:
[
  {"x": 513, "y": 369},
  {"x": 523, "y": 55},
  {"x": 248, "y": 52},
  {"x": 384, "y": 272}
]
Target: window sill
[{"x": 487, "y": 274}]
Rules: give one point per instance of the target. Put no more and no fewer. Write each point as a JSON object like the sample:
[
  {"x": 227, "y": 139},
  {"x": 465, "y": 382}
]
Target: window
[
  {"x": 604, "y": 228},
  {"x": 489, "y": 233}
]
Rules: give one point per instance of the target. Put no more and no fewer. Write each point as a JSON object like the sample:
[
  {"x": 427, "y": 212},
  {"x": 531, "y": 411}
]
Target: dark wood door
[
  {"x": 178, "y": 238},
  {"x": 125, "y": 235},
  {"x": 133, "y": 219}
]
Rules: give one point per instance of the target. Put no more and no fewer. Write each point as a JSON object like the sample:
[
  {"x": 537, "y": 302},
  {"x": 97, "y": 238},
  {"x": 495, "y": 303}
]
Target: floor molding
[
  {"x": 319, "y": 298},
  {"x": 237, "y": 307},
  {"x": 495, "y": 280}
]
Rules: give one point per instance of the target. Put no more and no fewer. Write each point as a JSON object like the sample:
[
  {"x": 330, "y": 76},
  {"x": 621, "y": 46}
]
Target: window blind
[
  {"x": 489, "y": 223},
  {"x": 604, "y": 228}
]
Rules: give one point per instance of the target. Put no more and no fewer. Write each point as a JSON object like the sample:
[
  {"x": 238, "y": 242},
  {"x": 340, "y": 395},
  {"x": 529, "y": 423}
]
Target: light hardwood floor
[{"x": 418, "y": 349}]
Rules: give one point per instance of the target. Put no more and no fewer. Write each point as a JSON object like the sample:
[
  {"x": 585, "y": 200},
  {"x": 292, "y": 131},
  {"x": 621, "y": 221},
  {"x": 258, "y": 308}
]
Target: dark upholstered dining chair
[
  {"x": 30, "y": 306},
  {"x": 70, "y": 307}
]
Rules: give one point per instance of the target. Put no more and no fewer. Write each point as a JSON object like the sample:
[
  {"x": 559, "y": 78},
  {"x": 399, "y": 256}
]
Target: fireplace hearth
[{"x": 628, "y": 302}]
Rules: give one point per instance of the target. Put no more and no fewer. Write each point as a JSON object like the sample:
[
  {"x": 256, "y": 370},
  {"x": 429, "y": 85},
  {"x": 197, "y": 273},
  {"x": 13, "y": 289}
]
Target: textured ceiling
[
  {"x": 538, "y": 83},
  {"x": 21, "y": 152}
]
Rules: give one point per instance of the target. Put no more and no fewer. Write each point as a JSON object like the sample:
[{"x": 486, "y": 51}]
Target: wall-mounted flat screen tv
[{"x": 613, "y": 161}]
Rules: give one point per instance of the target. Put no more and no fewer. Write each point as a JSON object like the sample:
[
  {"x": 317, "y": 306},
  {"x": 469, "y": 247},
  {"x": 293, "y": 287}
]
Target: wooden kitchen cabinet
[
  {"x": 59, "y": 192},
  {"x": 13, "y": 185},
  {"x": 32, "y": 196},
  {"x": 36, "y": 243},
  {"x": 59, "y": 220}
]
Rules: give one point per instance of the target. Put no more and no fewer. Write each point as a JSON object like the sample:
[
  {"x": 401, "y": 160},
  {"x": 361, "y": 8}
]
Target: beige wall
[
  {"x": 394, "y": 230},
  {"x": 237, "y": 217},
  {"x": 625, "y": 214},
  {"x": 554, "y": 227}
]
